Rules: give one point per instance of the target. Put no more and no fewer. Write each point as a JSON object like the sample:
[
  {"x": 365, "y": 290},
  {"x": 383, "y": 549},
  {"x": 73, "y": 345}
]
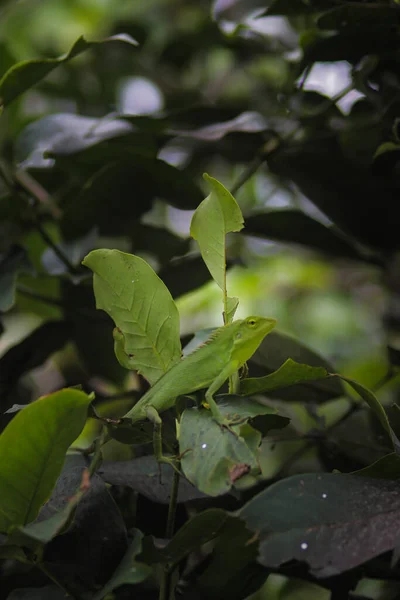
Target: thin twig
[
  {"x": 166, "y": 577},
  {"x": 59, "y": 253},
  {"x": 33, "y": 187}
]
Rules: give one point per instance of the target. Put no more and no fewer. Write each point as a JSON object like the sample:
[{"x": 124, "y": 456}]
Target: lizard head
[{"x": 249, "y": 336}]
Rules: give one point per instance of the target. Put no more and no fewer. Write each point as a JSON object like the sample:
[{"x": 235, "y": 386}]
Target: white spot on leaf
[{"x": 304, "y": 546}]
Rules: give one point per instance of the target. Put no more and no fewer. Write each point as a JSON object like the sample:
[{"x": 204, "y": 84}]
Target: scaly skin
[{"x": 209, "y": 366}]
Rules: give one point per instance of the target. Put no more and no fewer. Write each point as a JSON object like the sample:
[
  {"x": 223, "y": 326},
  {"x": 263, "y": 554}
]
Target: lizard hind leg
[{"x": 155, "y": 418}]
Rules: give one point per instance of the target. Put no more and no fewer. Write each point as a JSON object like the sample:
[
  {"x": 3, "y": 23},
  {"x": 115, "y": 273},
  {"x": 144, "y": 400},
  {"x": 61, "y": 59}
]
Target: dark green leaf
[
  {"x": 129, "y": 571},
  {"x": 387, "y": 467},
  {"x": 91, "y": 332},
  {"x": 345, "y": 192},
  {"x": 31, "y": 352},
  {"x": 26, "y": 74},
  {"x": 15, "y": 261},
  {"x": 197, "y": 531},
  {"x": 49, "y": 592},
  {"x": 351, "y": 45},
  {"x": 45, "y": 429},
  {"x": 294, "y": 227},
  {"x": 184, "y": 274},
  {"x": 232, "y": 571},
  {"x": 357, "y": 17},
  {"x": 143, "y": 475},
  {"x": 290, "y": 8},
  {"x": 332, "y": 522},
  {"x": 123, "y": 190},
  {"x": 376, "y": 408}
]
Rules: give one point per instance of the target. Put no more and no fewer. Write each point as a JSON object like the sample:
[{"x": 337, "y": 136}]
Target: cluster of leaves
[{"x": 70, "y": 183}]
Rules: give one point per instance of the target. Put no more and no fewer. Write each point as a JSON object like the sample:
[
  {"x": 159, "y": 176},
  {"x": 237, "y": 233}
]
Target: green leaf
[
  {"x": 275, "y": 350},
  {"x": 128, "y": 289},
  {"x": 11, "y": 264},
  {"x": 197, "y": 531},
  {"x": 376, "y": 408},
  {"x": 237, "y": 406},
  {"x": 29, "y": 469},
  {"x": 232, "y": 571},
  {"x": 218, "y": 215},
  {"x": 333, "y": 522},
  {"x": 129, "y": 571},
  {"x": 387, "y": 467},
  {"x": 26, "y": 74},
  {"x": 211, "y": 457},
  {"x": 289, "y": 373}
]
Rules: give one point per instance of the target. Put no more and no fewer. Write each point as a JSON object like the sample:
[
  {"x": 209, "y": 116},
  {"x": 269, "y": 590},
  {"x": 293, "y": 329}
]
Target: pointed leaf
[
  {"x": 26, "y": 74},
  {"x": 289, "y": 373},
  {"x": 376, "y": 407},
  {"x": 29, "y": 469},
  {"x": 275, "y": 349},
  {"x": 129, "y": 571},
  {"x": 212, "y": 458},
  {"x": 216, "y": 216},
  {"x": 142, "y": 308}
]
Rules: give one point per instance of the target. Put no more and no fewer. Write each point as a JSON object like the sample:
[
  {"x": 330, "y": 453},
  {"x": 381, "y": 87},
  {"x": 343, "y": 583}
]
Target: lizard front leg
[{"x": 227, "y": 372}]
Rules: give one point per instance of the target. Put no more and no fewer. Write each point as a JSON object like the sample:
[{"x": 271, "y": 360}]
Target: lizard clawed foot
[{"x": 225, "y": 423}]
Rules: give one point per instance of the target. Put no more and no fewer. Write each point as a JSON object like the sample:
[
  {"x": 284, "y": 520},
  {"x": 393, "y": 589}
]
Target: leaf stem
[
  {"x": 42, "y": 567},
  {"x": 165, "y": 584}
]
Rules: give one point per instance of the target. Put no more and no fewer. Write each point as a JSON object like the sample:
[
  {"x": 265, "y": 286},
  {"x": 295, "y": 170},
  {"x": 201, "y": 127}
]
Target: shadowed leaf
[{"x": 333, "y": 522}]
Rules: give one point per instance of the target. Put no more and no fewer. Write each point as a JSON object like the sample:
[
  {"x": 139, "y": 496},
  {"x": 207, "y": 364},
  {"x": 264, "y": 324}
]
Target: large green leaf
[
  {"x": 218, "y": 215},
  {"x": 333, "y": 522},
  {"x": 128, "y": 289},
  {"x": 32, "y": 453},
  {"x": 289, "y": 373},
  {"x": 213, "y": 459},
  {"x": 24, "y": 75}
]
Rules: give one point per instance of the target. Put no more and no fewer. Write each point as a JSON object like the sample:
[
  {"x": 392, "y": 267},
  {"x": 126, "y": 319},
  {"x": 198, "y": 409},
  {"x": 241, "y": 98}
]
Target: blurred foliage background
[{"x": 190, "y": 60}]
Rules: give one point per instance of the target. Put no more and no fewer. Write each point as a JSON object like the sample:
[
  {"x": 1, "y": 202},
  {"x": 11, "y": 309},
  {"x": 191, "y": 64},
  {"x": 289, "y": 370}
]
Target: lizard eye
[{"x": 251, "y": 322}]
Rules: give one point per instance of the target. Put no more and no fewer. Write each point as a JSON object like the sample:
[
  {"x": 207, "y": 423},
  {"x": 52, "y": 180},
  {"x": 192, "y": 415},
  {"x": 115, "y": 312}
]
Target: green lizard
[{"x": 209, "y": 366}]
